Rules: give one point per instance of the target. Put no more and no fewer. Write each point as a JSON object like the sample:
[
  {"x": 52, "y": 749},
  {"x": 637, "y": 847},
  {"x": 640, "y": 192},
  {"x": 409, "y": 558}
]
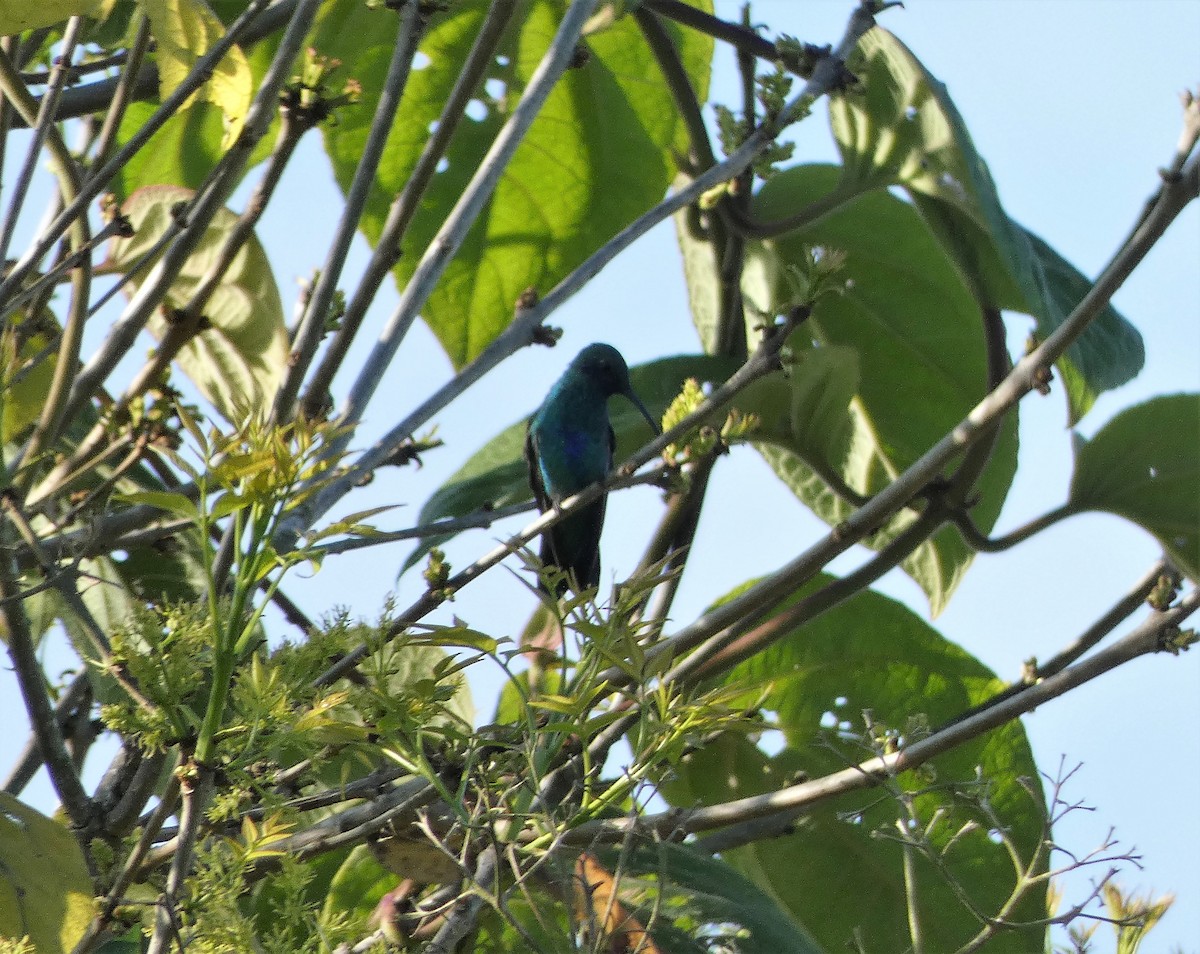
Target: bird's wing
[{"x": 540, "y": 496}]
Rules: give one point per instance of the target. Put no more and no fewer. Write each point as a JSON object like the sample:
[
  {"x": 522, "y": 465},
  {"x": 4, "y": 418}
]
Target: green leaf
[
  {"x": 17, "y": 16},
  {"x": 872, "y": 653},
  {"x": 184, "y": 30},
  {"x": 170, "y": 501},
  {"x": 358, "y": 885},
  {"x": 238, "y": 361},
  {"x": 901, "y": 127},
  {"x": 711, "y": 900},
  {"x": 167, "y": 571},
  {"x": 599, "y": 154},
  {"x": 45, "y": 889},
  {"x": 1144, "y": 465},
  {"x": 183, "y": 152},
  {"x": 189, "y": 144},
  {"x": 496, "y": 474},
  {"x": 883, "y": 370},
  {"x": 27, "y": 363}
]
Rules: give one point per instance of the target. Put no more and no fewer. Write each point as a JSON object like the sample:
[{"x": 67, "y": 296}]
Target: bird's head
[{"x": 605, "y": 367}]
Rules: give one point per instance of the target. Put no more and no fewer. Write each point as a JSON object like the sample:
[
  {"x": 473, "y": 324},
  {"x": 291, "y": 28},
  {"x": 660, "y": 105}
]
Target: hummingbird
[{"x": 569, "y": 445}]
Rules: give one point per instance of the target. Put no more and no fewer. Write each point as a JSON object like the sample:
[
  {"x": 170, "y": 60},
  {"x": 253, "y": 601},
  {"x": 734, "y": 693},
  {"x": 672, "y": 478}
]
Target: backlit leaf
[
  {"x": 882, "y": 371},
  {"x": 1144, "y": 465},
  {"x": 901, "y": 127},
  {"x": 237, "y": 361}
]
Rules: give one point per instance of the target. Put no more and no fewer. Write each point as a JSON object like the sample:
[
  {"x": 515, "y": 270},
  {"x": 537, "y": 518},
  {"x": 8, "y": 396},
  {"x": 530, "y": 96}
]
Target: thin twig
[
  {"x": 42, "y": 125},
  {"x": 123, "y": 94},
  {"x": 979, "y": 424},
  {"x": 194, "y": 792},
  {"x": 445, "y": 244},
  {"x": 212, "y": 197},
  {"x": 463, "y": 916},
  {"x": 22, "y": 650},
  {"x": 1143, "y": 640},
  {"x": 30, "y": 759},
  {"x": 977, "y": 540},
  {"x": 523, "y": 330},
  {"x": 1126, "y": 606}
]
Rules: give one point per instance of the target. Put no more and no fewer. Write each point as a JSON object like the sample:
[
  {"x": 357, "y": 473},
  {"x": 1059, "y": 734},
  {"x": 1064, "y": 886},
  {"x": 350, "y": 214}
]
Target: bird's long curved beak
[{"x": 637, "y": 402}]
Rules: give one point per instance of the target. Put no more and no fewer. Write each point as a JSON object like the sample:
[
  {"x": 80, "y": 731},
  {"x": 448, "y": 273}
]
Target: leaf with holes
[
  {"x": 238, "y": 360},
  {"x": 901, "y": 127},
  {"x": 599, "y": 154},
  {"x": 882, "y": 371},
  {"x": 1144, "y": 465}
]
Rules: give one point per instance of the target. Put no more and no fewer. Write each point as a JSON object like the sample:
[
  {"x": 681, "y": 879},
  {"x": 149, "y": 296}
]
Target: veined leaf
[
  {"x": 1144, "y": 465},
  {"x": 599, "y": 154},
  {"x": 882, "y": 370},
  {"x": 902, "y": 127},
  {"x": 872, "y": 654},
  {"x": 238, "y": 361}
]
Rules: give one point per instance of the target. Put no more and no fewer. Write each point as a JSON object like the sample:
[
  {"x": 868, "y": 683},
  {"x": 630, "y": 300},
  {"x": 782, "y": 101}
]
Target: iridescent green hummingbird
[{"x": 568, "y": 446}]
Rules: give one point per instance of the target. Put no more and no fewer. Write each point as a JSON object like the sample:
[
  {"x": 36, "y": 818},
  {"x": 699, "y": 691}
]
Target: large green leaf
[
  {"x": 1144, "y": 465},
  {"x": 835, "y": 874},
  {"x": 45, "y": 890},
  {"x": 238, "y": 360},
  {"x": 883, "y": 371},
  {"x": 496, "y": 475},
  {"x": 599, "y": 154},
  {"x": 686, "y": 900},
  {"x": 183, "y": 152},
  {"x": 357, "y": 885},
  {"x": 901, "y": 127}
]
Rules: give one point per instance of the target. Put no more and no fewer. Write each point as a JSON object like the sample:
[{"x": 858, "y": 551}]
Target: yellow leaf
[
  {"x": 45, "y": 890},
  {"x": 184, "y": 31}
]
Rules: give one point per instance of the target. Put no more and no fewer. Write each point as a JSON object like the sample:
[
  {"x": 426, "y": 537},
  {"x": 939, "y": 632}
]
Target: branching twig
[
  {"x": 30, "y": 759},
  {"x": 1121, "y": 610},
  {"x": 1144, "y": 639},
  {"x": 74, "y": 210},
  {"x": 979, "y": 424}
]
